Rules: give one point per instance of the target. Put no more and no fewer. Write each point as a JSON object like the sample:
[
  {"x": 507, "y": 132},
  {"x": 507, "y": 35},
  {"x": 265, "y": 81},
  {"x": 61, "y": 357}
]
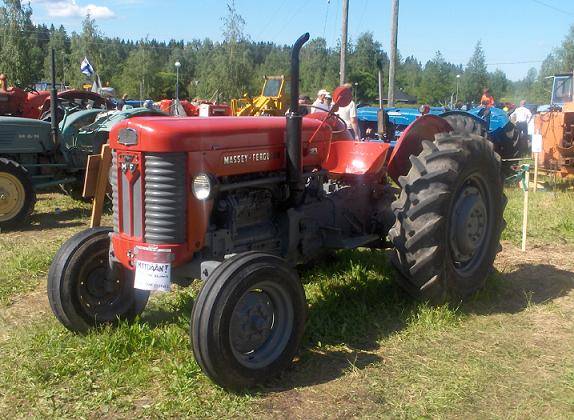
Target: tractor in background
[
  {"x": 30, "y": 103},
  {"x": 240, "y": 202},
  {"x": 556, "y": 125},
  {"x": 36, "y": 155},
  {"x": 272, "y": 101},
  {"x": 498, "y": 129}
]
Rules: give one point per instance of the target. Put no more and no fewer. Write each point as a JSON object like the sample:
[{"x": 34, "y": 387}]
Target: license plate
[{"x": 153, "y": 276}]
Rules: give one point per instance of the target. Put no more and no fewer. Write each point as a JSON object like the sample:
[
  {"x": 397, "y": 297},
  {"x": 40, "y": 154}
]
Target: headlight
[
  {"x": 128, "y": 136},
  {"x": 202, "y": 186}
]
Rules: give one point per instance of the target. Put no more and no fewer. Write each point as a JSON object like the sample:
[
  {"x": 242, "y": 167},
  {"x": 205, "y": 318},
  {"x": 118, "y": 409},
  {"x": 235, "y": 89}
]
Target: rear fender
[{"x": 410, "y": 143}]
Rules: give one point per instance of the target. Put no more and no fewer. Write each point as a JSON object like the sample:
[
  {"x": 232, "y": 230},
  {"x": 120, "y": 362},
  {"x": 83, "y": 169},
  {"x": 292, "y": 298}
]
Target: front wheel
[
  {"x": 449, "y": 218},
  {"x": 17, "y": 195},
  {"x": 248, "y": 320},
  {"x": 85, "y": 291}
]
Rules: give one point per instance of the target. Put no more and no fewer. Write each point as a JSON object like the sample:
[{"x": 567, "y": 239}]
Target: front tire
[
  {"x": 84, "y": 291},
  {"x": 448, "y": 218},
  {"x": 17, "y": 195},
  {"x": 248, "y": 320}
]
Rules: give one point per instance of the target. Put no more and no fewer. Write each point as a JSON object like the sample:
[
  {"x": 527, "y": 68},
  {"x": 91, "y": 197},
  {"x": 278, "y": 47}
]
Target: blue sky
[{"x": 512, "y": 31}]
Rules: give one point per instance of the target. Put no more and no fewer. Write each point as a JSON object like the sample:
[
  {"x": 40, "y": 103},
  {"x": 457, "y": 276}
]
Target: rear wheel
[
  {"x": 17, "y": 195},
  {"x": 248, "y": 320},
  {"x": 448, "y": 218},
  {"x": 85, "y": 291},
  {"x": 465, "y": 124}
]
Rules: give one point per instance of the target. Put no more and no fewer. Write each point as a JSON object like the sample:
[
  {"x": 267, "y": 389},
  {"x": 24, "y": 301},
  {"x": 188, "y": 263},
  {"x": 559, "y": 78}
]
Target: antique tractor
[
  {"x": 239, "y": 202},
  {"x": 36, "y": 155}
]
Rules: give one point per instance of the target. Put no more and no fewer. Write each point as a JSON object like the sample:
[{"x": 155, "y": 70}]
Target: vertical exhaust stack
[
  {"x": 53, "y": 101},
  {"x": 293, "y": 135}
]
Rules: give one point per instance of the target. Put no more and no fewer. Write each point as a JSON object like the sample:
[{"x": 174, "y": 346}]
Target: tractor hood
[{"x": 194, "y": 134}]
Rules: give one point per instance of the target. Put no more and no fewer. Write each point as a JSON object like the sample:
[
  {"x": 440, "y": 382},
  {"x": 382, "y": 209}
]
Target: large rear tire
[
  {"x": 465, "y": 124},
  {"x": 449, "y": 217},
  {"x": 17, "y": 195},
  {"x": 84, "y": 291},
  {"x": 248, "y": 320}
]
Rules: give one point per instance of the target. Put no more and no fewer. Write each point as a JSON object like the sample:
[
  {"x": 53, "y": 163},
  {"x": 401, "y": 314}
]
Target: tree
[
  {"x": 498, "y": 84},
  {"x": 15, "y": 48},
  {"x": 363, "y": 66},
  {"x": 437, "y": 81},
  {"x": 60, "y": 43},
  {"x": 475, "y": 77},
  {"x": 88, "y": 44},
  {"x": 409, "y": 76},
  {"x": 139, "y": 74}
]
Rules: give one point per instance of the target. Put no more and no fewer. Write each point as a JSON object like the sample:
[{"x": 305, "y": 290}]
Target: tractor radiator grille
[
  {"x": 165, "y": 198},
  {"x": 115, "y": 196}
]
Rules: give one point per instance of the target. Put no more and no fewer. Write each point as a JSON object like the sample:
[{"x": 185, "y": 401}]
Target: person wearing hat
[
  {"x": 328, "y": 101},
  {"x": 319, "y": 104}
]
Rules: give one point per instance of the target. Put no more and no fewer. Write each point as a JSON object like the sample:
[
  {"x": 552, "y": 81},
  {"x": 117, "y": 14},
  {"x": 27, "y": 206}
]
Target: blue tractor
[{"x": 497, "y": 127}]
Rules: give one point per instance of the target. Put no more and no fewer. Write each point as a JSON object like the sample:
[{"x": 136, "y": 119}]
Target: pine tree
[{"x": 475, "y": 77}]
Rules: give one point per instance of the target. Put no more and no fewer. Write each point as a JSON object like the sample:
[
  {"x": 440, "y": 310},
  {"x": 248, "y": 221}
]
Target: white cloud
[{"x": 70, "y": 9}]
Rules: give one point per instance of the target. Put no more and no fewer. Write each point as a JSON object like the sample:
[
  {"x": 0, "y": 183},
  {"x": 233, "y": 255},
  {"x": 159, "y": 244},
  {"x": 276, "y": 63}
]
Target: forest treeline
[{"x": 236, "y": 65}]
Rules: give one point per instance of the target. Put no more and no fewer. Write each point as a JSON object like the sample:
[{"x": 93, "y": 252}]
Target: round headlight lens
[{"x": 201, "y": 187}]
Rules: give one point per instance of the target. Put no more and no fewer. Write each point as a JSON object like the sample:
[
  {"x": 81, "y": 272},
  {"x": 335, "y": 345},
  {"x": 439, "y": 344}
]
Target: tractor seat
[{"x": 357, "y": 158}]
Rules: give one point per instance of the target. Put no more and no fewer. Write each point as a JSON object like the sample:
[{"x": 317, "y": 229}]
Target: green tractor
[{"x": 37, "y": 155}]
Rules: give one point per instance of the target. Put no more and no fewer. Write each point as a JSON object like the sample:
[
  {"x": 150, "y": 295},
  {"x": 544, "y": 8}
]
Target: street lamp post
[
  {"x": 177, "y": 66},
  {"x": 457, "y": 80}
]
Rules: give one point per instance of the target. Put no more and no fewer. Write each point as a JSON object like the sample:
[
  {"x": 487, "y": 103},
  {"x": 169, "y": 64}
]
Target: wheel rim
[
  {"x": 261, "y": 324},
  {"x": 469, "y": 229},
  {"x": 12, "y": 196},
  {"x": 103, "y": 293}
]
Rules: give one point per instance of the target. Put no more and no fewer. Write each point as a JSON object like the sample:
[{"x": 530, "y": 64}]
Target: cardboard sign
[
  {"x": 153, "y": 276},
  {"x": 536, "y": 143}
]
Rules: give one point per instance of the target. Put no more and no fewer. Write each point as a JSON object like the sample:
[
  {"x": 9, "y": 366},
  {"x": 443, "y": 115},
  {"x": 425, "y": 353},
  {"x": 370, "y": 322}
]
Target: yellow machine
[{"x": 272, "y": 101}]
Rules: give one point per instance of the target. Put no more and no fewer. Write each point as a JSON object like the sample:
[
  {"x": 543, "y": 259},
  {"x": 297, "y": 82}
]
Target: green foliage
[
  {"x": 438, "y": 81},
  {"x": 16, "y": 51},
  {"x": 475, "y": 77}
]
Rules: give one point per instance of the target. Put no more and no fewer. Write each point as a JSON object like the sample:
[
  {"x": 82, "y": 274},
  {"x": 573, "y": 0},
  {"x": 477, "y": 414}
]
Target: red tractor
[
  {"x": 30, "y": 103},
  {"x": 239, "y": 202}
]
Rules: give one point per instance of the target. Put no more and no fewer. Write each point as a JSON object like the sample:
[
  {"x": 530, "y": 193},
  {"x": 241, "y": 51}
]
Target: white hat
[
  {"x": 322, "y": 92},
  {"x": 328, "y": 96}
]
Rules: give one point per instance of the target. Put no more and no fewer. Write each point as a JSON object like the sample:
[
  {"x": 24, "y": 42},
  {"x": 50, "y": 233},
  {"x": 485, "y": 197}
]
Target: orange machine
[{"x": 557, "y": 127}]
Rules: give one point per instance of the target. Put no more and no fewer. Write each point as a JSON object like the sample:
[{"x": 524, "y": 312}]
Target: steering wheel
[
  {"x": 342, "y": 121},
  {"x": 28, "y": 88}
]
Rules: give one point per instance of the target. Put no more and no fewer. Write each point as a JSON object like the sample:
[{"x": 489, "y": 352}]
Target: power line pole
[
  {"x": 342, "y": 64},
  {"x": 393, "y": 62}
]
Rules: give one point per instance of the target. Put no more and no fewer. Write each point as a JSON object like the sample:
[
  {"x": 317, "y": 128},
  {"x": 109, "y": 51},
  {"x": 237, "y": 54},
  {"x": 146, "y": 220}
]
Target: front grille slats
[
  {"x": 115, "y": 197},
  {"x": 165, "y": 198}
]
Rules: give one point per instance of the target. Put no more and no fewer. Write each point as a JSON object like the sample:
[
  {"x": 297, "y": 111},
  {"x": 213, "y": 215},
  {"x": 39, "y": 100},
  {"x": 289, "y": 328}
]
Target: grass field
[{"x": 368, "y": 351}]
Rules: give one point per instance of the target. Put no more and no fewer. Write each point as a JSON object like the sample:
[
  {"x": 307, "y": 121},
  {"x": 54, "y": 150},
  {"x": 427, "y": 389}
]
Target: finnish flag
[{"x": 86, "y": 67}]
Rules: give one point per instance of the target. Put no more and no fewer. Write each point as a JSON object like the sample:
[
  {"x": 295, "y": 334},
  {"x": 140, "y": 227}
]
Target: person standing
[
  {"x": 349, "y": 115},
  {"x": 487, "y": 99},
  {"x": 521, "y": 117},
  {"x": 319, "y": 104},
  {"x": 122, "y": 102}
]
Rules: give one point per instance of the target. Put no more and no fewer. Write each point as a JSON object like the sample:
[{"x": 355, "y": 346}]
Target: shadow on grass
[
  {"x": 354, "y": 304},
  {"x": 525, "y": 286},
  {"x": 56, "y": 220}
]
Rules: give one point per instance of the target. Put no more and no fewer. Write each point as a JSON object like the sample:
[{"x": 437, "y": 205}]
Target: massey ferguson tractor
[{"x": 240, "y": 202}]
